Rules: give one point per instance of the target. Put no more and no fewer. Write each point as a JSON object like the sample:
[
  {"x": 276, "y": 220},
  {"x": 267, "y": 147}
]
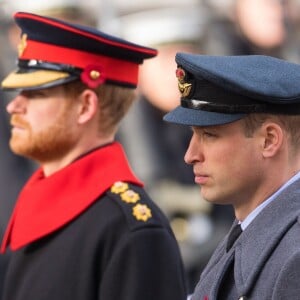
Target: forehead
[
  {"x": 51, "y": 91},
  {"x": 224, "y": 127}
]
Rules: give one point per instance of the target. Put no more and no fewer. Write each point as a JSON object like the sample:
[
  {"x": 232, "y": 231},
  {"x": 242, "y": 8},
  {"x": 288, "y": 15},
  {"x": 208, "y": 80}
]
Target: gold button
[{"x": 95, "y": 74}]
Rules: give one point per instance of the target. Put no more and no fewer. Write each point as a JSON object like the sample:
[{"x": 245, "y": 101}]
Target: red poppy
[
  {"x": 93, "y": 76},
  {"x": 180, "y": 74}
]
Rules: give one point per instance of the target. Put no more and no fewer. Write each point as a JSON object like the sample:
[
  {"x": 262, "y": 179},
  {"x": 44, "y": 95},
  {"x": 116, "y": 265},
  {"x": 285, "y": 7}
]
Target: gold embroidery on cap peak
[
  {"x": 23, "y": 44},
  {"x": 130, "y": 196},
  {"x": 119, "y": 187},
  {"x": 142, "y": 212}
]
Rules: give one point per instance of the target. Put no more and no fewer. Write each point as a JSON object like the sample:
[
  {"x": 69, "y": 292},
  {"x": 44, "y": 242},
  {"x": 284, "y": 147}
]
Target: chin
[{"x": 215, "y": 199}]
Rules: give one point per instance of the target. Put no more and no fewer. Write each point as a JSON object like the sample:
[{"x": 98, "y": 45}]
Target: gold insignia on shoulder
[
  {"x": 119, "y": 187},
  {"x": 130, "y": 196},
  {"x": 23, "y": 44},
  {"x": 142, "y": 212},
  {"x": 184, "y": 87}
]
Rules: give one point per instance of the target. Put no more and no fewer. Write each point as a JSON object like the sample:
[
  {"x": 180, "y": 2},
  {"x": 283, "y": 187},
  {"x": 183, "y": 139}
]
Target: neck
[
  {"x": 50, "y": 167},
  {"x": 270, "y": 185}
]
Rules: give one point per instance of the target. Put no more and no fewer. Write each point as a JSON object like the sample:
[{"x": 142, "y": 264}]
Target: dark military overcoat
[{"x": 120, "y": 247}]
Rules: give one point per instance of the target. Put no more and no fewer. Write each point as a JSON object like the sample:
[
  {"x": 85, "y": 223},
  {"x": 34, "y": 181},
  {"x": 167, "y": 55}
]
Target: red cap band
[{"x": 115, "y": 69}]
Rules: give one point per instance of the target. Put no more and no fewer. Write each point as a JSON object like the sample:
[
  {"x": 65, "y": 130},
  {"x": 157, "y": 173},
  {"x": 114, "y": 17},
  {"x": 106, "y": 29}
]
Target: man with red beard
[{"x": 83, "y": 226}]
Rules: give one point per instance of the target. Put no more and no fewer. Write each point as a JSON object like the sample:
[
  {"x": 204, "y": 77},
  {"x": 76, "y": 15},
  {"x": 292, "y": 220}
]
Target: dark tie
[{"x": 233, "y": 235}]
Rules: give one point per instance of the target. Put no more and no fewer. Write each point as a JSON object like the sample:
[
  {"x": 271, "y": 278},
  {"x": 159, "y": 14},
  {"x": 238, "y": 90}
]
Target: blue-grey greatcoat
[{"x": 266, "y": 256}]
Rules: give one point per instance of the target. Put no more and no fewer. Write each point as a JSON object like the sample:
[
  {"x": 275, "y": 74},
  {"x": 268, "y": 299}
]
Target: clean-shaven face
[{"x": 226, "y": 163}]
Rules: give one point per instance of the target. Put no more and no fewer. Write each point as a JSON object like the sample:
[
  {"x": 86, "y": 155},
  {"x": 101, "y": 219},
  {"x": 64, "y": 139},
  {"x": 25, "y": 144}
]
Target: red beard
[{"x": 48, "y": 144}]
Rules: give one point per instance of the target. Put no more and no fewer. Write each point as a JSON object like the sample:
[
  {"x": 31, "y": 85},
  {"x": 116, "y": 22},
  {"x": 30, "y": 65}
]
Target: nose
[
  {"x": 194, "y": 152},
  {"x": 17, "y": 105}
]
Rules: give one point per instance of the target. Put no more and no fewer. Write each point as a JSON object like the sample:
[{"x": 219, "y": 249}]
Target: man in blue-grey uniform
[{"x": 244, "y": 112}]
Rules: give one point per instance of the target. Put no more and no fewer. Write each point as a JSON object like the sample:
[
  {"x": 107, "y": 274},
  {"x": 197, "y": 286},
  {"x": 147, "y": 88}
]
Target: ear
[
  {"x": 88, "y": 104},
  {"x": 273, "y": 137}
]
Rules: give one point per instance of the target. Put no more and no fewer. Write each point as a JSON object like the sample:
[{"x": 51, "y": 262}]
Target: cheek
[
  {"x": 234, "y": 160},
  {"x": 246, "y": 164},
  {"x": 43, "y": 118},
  {"x": 40, "y": 123},
  {"x": 221, "y": 155}
]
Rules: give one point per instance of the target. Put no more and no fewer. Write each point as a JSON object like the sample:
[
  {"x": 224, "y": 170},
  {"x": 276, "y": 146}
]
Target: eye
[
  {"x": 209, "y": 133},
  {"x": 34, "y": 94}
]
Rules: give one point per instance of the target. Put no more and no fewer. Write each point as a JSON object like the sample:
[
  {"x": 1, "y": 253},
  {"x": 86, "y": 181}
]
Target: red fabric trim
[
  {"x": 47, "y": 204},
  {"x": 87, "y": 34},
  {"x": 114, "y": 69}
]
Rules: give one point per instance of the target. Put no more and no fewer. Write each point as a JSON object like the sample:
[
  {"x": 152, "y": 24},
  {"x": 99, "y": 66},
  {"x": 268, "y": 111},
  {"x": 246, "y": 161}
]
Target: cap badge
[
  {"x": 142, "y": 212},
  {"x": 92, "y": 76},
  {"x": 119, "y": 187},
  {"x": 22, "y": 44},
  {"x": 184, "y": 87},
  {"x": 130, "y": 196}
]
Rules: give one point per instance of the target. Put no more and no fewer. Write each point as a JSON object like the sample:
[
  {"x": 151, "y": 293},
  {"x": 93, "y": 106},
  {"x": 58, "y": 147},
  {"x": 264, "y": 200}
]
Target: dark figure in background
[
  {"x": 13, "y": 173},
  {"x": 14, "y": 170},
  {"x": 263, "y": 27},
  {"x": 83, "y": 226}
]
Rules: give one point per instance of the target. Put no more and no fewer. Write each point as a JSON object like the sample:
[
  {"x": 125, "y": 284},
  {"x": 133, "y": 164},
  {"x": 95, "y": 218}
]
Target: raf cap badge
[{"x": 184, "y": 87}]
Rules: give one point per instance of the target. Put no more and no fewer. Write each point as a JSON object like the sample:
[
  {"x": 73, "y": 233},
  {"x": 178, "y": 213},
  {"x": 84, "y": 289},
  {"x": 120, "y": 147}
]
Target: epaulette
[{"x": 134, "y": 204}]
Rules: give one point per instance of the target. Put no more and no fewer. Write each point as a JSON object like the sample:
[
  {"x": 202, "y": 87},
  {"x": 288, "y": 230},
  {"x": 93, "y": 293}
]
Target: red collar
[{"x": 45, "y": 204}]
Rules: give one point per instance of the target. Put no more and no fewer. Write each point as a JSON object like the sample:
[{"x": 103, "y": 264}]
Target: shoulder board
[{"x": 135, "y": 204}]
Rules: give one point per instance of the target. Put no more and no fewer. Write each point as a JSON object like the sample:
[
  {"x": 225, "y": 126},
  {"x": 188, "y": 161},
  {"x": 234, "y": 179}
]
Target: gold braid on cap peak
[{"x": 18, "y": 80}]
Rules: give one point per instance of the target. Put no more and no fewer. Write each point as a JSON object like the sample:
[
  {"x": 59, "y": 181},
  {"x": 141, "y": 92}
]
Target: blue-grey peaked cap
[{"x": 224, "y": 89}]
